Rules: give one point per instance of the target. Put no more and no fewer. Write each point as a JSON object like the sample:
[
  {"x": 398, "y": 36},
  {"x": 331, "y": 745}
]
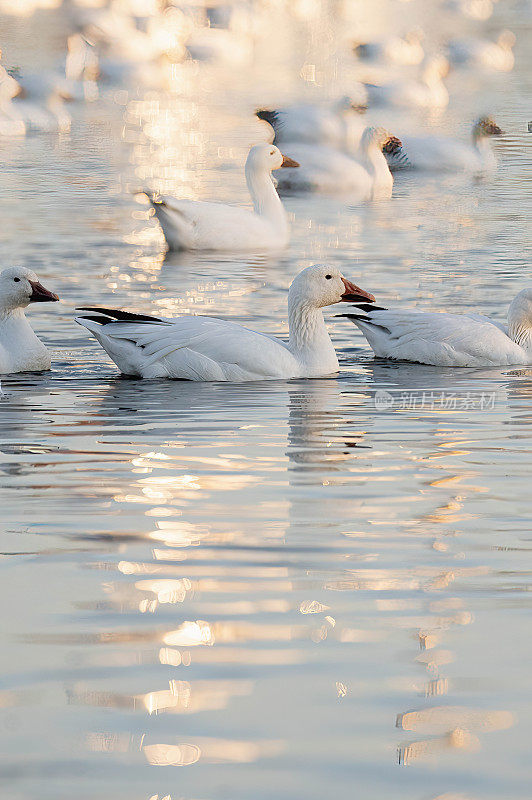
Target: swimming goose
[
  {"x": 450, "y": 340},
  {"x": 440, "y": 154},
  {"x": 197, "y": 225},
  {"x": 406, "y": 50},
  {"x": 428, "y": 92},
  {"x": 209, "y": 349},
  {"x": 337, "y": 125},
  {"x": 496, "y": 56},
  {"x": 365, "y": 175},
  {"x": 20, "y": 349}
]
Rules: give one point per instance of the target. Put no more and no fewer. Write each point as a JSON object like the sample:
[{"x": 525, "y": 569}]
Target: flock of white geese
[{"x": 317, "y": 147}]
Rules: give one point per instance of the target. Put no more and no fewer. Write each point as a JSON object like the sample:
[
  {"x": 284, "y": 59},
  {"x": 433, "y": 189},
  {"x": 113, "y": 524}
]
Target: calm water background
[{"x": 217, "y": 592}]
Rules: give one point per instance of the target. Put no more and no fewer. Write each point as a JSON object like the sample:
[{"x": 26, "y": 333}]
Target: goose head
[
  {"x": 520, "y": 319},
  {"x": 322, "y": 285},
  {"x": 380, "y": 138},
  {"x": 19, "y": 287},
  {"x": 434, "y": 69},
  {"x": 506, "y": 40},
  {"x": 267, "y": 157},
  {"x": 485, "y": 127}
]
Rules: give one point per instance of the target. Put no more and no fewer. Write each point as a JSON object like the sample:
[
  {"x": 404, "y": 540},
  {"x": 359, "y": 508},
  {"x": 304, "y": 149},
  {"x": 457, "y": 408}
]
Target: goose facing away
[
  {"x": 365, "y": 175},
  {"x": 450, "y": 340},
  {"x": 337, "y": 125},
  {"x": 199, "y": 225},
  {"x": 441, "y": 154},
  {"x": 209, "y": 349},
  {"x": 20, "y": 349}
]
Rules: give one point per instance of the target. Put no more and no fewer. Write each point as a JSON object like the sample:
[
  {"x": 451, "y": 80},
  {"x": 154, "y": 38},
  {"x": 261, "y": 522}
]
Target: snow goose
[
  {"x": 406, "y": 50},
  {"x": 441, "y": 154},
  {"x": 209, "y": 349},
  {"x": 337, "y": 125},
  {"x": 20, "y": 349},
  {"x": 496, "y": 56},
  {"x": 366, "y": 175},
  {"x": 449, "y": 340},
  {"x": 428, "y": 92},
  {"x": 198, "y": 225}
]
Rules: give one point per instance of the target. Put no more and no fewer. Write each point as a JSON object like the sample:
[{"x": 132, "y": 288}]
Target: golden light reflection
[
  {"x": 183, "y": 697},
  {"x": 441, "y": 719},
  {"x": 214, "y": 751}
]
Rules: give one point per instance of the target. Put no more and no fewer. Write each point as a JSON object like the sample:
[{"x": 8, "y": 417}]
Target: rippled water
[{"x": 292, "y": 590}]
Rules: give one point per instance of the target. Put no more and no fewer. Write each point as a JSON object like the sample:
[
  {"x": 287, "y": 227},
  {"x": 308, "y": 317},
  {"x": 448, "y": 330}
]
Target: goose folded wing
[
  {"x": 468, "y": 334},
  {"x": 222, "y": 341}
]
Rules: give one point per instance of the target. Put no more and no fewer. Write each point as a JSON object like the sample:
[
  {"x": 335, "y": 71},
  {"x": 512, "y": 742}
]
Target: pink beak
[{"x": 354, "y": 294}]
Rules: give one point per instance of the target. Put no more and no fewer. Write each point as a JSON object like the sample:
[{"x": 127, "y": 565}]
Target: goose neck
[
  {"x": 266, "y": 201},
  {"x": 309, "y": 339}
]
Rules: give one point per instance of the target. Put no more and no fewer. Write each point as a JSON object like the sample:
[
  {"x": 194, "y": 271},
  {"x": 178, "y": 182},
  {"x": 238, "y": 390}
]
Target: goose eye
[
  {"x": 328, "y": 277},
  {"x": 17, "y": 280}
]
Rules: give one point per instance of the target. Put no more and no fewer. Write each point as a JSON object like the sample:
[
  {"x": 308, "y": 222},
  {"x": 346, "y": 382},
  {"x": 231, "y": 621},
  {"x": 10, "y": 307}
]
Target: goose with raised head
[
  {"x": 365, "y": 175},
  {"x": 199, "y": 225},
  {"x": 450, "y": 340},
  {"x": 494, "y": 56},
  {"x": 427, "y": 92},
  {"x": 442, "y": 154},
  {"x": 20, "y": 349},
  {"x": 339, "y": 124},
  {"x": 209, "y": 349}
]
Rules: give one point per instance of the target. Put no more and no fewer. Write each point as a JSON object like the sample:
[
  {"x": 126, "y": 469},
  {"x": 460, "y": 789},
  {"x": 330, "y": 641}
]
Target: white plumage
[
  {"x": 495, "y": 56},
  {"x": 450, "y": 340},
  {"x": 339, "y": 124},
  {"x": 442, "y": 154},
  {"x": 208, "y": 349},
  {"x": 198, "y": 225},
  {"x": 20, "y": 349},
  {"x": 365, "y": 175},
  {"x": 427, "y": 92}
]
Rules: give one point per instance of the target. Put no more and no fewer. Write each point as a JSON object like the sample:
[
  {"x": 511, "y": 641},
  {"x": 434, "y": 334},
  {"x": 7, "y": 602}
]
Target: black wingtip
[
  {"x": 268, "y": 116},
  {"x": 117, "y": 315}
]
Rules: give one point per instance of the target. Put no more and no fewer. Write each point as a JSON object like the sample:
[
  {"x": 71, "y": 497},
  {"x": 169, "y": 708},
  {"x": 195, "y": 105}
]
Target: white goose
[
  {"x": 20, "y": 349},
  {"x": 366, "y": 175},
  {"x": 337, "y": 125},
  {"x": 496, "y": 56},
  {"x": 405, "y": 50},
  {"x": 441, "y": 154},
  {"x": 428, "y": 92},
  {"x": 209, "y": 349},
  {"x": 197, "y": 225},
  {"x": 450, "y": 340}
]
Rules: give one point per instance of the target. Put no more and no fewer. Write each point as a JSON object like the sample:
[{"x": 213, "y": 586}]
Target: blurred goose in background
[
  {"x": 209, "y": 349},
  {"x": 20, "y": 349},
  {"x": 441, "y": 154},
  {"x": 31, "y": 116},
  {"x": 366, "y": 174},
  {"x": 339, "y": 124},
  {"x": 497, "y": 56},
  {"x": 9, "y": 88},
  {"x": 449, "y": 340},
  {"x": 220, "y": 46},
  {"x": 406, "y": 50},
  {"x": 198, "y": 225},
  {"x": 427, "y": 92},
  {"x": 76, "y": 82},
  {"x": 472, "y": 9}
]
